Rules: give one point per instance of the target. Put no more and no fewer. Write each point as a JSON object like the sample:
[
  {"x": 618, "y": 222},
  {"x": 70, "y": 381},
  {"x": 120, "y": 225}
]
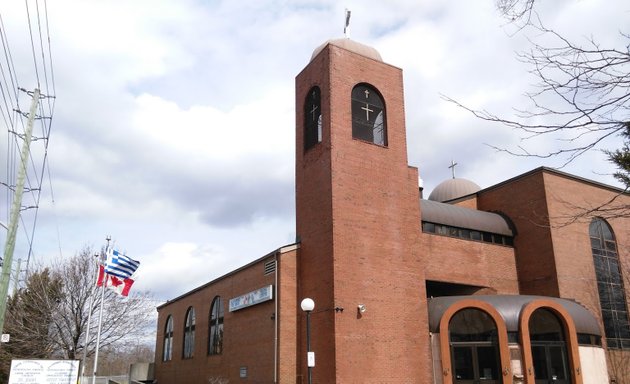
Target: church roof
[
  {"x": 453, "y": 189},
  {"x": 510, "y": 307},
  {"x": 460, "y": 217},
  {"x": 350, "y": 45}
]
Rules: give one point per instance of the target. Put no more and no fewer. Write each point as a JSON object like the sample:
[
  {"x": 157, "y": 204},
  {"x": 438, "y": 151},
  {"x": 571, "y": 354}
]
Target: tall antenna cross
[
  {"x": 452, "y": 167},
  {"x": 346, "y": 29}
]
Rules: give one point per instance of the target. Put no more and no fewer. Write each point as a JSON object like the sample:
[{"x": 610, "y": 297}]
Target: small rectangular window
[{"x": 428, "y": 227}]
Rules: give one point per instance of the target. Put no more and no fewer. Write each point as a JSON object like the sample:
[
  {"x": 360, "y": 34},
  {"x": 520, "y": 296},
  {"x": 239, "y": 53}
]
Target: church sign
[
  {"x": 252, "y": 298},
  {"x": 44, "y": 371}
]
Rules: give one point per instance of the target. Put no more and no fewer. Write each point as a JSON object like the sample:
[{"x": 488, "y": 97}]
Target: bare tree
[
  {"x": 57, "y": 302},
  {"x": 124, "y": 319},
  {"x": 516, "y": 10},
  {"x": 581, "y": 98},
  {"x": 29, "y": 314}
]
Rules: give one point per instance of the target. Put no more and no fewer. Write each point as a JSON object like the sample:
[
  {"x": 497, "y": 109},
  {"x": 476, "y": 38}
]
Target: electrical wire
[{"x": 38, "y": 161}]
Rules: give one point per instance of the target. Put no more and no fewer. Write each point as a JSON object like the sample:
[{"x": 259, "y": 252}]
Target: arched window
[
  {"x": 368, "y": 115},
  {"x": 612, "y": 295},
  {"x": 474, "y": 344},
  {"x": 189, "y": 333},
  {"x": 312, "y": 118},
  {"x": 215, "y": 332},
  {"x": 549, "y": 350},
  {"x": 167, "y": 352}
]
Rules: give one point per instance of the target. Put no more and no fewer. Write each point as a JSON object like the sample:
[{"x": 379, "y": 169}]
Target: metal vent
[{"x": 270, "y": 267}]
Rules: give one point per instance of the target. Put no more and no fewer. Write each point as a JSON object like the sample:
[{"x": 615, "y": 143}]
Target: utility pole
[
  {"x": 16, "y": 281},
  {"x": 9, "y": 247}
]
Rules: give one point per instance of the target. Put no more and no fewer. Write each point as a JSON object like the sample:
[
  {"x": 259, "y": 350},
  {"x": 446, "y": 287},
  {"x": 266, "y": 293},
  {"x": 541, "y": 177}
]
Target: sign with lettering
[
  {"x": 252, "y": 298},
  {"x": 44, "y": 372}
]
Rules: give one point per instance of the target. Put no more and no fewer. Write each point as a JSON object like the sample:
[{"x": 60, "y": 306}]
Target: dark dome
[
  {"x": 350, "y": 45},
  {"x": 453, "y": 189}
]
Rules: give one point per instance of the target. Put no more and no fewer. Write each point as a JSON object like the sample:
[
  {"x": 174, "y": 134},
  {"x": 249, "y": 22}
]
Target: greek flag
[{"x": 120, "y": 265}]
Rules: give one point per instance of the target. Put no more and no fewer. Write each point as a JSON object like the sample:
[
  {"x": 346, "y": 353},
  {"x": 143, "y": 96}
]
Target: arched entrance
[
  {"x": 474, "y": 346},
  {"x": 549, "y": 348}
]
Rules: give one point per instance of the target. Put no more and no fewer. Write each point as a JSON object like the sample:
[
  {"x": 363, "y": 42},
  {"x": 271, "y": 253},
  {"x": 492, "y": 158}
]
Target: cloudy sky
[{"x": 173, "y": 125}]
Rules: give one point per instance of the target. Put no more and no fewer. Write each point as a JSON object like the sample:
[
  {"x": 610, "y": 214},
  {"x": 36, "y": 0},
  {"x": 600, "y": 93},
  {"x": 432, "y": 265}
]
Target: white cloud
[{"x": 174, "y": 121}]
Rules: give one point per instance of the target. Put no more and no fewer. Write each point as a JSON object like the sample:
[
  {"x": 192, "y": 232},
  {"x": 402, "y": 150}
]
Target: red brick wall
[
  {"x": 248, "y": 333},
  {"x": 313, "y": 183},
  {"x": 468, "y": 262},
  {"x": 358, "y": 218},
  {"x": 524, "y": 201},
  {"x": 288, "y": 322},
  {"x": 547, "y": 205}
]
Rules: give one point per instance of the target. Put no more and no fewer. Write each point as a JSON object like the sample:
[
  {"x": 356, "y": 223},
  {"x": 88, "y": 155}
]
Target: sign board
[
  {"x": 44, "y": 372},
  {"x": 310, "y": 359},
  {"x": 5, "y": 338},
  {"x": 252, "y": 298}
]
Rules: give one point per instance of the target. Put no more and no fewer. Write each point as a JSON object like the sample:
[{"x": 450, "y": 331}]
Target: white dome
[
  {"x": 350, "y": 45},
  {"x": 453, "y": 189}
]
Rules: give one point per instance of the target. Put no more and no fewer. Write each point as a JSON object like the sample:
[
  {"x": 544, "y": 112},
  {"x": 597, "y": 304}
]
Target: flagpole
[
  {"x": 87, "y": 332},
  {"x": 100, "y": 315}
]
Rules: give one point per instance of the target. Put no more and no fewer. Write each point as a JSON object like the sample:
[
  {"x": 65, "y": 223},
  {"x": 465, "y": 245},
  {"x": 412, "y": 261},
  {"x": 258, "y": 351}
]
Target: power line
[{"x": 41, "y": 74}]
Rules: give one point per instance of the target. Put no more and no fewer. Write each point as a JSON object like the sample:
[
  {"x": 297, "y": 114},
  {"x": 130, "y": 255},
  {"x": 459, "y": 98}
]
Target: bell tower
[{"x": 358, "y": 220}]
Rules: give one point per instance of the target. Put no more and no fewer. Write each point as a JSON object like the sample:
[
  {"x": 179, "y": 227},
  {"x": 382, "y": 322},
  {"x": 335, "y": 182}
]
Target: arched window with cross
[
  {"x": 312, "y": 118},
  {"x": 368, "y": 115}
]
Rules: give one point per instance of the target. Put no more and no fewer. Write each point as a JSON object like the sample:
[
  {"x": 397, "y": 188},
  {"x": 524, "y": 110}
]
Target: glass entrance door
[
  {"x": 549, "y": 349},
  {"x": 475, "y": 363},
  {"x": 550, "y": 363},
  {"x": 474, "y": 347}
]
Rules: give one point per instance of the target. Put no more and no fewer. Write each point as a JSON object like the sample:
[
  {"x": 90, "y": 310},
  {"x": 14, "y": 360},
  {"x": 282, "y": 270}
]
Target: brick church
[{"x": 505, "y": 284}]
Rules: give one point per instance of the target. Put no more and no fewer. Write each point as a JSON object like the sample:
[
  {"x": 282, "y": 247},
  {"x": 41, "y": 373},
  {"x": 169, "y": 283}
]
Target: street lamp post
[{"x": 307, "y": 306}]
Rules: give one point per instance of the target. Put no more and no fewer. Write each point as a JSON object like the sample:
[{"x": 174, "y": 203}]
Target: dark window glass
[
  {"x": 428, "y": 227},
  {"x": 549, "y": 352},
  {"x": 487, "y": 362},
  {"x": 540, "y": 362},
  {"x": 312, "y": 118},
  {"x": 473, "y": 340},
  {"x": 167, "y": 350},
  {"x": 586, "y": 339},
  {"x": 596, "y": 243},
  {"x": 467, "y": 234},
  {"x": 215, "y": 332},
  {"x": 472, "y": 325},
  {"x": 368, "y": 115},
  {"x": 612, "y": 295},
  {"x": 513, "y": 337},
  {"x": 558, "y": 362},
  {"x": 463, "y": 363},
  {"x": 545, "y": 326},
  {"x": 189, "y": 334}
]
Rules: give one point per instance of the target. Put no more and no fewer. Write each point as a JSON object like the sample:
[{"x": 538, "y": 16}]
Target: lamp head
[{"x": 307, "y": 305}]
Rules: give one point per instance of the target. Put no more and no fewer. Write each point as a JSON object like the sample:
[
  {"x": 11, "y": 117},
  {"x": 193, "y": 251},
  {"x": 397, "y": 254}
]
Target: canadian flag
[{"x": 116, "y": 284}]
